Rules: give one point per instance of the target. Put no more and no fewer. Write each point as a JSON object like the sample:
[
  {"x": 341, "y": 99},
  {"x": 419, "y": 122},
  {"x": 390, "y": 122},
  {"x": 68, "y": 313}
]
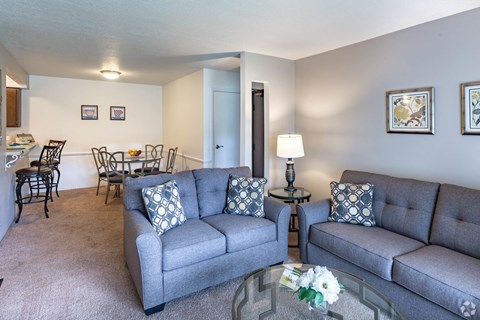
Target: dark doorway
[{"x": 258, "y": 131}]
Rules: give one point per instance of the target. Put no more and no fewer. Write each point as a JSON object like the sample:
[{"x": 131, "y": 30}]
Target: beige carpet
[{"x": 71, "y": 266}]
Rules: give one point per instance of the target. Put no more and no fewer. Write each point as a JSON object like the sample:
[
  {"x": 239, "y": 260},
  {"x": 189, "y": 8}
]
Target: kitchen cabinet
[{"x": 14, "y": 110}]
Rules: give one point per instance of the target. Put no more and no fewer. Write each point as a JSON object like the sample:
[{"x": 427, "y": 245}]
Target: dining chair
[
  {"x": 153, "y": 158},
  {"x": 114, "y": 167},
  {"x": 101, "y": 174},
  {"x": 170, "y": 164},
  {"x": 59, "y": 144},
  {"x": 38, "y": 178}
]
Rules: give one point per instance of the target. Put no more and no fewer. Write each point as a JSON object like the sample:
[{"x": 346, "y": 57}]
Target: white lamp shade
[{"x": 290, "y": 146}]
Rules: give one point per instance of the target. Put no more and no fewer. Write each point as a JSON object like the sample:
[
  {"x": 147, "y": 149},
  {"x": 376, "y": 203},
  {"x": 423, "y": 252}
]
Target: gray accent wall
[{"x": 341, "y": 109}]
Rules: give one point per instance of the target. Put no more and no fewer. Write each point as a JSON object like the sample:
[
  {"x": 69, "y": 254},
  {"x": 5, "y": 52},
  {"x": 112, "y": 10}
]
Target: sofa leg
[{"x": 155, "y": 309}]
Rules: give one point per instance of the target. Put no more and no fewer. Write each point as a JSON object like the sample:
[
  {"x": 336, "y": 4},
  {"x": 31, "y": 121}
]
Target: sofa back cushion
[
  {"x": 456, "y": 223},
  {"x": 212, "y": 186},
  {"x": 404, "y": 206},
  {"x": 133, "y": 199}
]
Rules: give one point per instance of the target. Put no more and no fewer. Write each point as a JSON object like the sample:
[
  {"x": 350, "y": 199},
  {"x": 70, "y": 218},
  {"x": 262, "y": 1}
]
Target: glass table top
[
  {"x": 298, "y": 194},
  {"x": 261, "y": 296}
]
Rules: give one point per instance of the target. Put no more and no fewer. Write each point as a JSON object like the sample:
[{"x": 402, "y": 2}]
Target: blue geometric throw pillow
[
  {"x": 352, "y": 203},
  {"x": 163, "y": 206},
  {"x": 245, "y": 196}
]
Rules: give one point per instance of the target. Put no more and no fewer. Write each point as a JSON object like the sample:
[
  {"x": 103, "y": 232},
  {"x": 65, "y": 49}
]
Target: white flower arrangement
[{"x": 318, "y": 285}]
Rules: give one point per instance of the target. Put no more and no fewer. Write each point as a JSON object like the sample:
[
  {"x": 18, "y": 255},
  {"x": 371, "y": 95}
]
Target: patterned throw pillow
[
  {"x": 245, "y": 196},
  {"x": 163, "y": 206},
  {"x": 352, "y": 203}
]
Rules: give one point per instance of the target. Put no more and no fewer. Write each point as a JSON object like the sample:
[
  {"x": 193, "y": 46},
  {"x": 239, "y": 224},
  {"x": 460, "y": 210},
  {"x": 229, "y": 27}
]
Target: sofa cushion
[
  {"x": 404, "y": 206},
  {"x": 192, "y": 242},
  {"x": 245, "y": 196},
  {"x": 243, "y": 232},
  {"x": 371, "y": 248},
  {"x": 352, "y": 203},
  {"x": 212, "y": 185},
  {"x": 456, "y": 223},
  {"x": 163, "y": 206},
  {"x": 186, "y": 186},
  {"x": 441, "y": 275}
]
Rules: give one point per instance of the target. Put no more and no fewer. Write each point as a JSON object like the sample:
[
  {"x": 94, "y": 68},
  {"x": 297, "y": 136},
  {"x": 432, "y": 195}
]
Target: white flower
[
  {"x": 306, "y": 278},
  {"x": 328, "y": 285},
  {"x": 320, "y": 270},
  {"x": 322, "y": 280}
]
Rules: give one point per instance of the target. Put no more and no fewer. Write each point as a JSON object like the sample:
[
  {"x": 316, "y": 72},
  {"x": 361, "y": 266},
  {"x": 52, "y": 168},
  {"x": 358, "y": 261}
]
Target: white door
[{"x": 226, "y": 129}]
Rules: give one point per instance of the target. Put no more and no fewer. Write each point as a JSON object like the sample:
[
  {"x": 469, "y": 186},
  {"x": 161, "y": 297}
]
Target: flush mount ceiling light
[{"x": 110, "y": 74}]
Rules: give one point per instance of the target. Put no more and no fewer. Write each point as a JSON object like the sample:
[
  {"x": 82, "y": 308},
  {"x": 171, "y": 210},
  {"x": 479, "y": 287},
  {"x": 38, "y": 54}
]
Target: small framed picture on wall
[
  {"x": 89, "y": 112},
  {"x": 410, "y": 111},
  {"x": 470, "y": 93},
  {"x": 117, "y": 113}
]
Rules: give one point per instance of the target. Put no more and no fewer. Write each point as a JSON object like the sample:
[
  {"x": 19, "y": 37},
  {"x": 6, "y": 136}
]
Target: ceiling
[{"x": 155, "y": 42}]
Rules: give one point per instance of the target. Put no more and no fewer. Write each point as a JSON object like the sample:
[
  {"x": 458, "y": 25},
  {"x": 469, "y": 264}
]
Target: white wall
[
  {"x": 188, "y": 114},
  {"x": 278, "y": 76},
  {"x": 183, "y": 119},
  {"x": 8, "y": 65},
  {"x": 341, "y": 106},
  {"x": 51, "y": 110}
]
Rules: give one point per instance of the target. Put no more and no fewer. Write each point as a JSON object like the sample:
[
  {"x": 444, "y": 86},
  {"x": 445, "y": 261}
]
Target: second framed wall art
[
  {"x": 117, "y": 113},
  {"x": 410, "y": 110},
  {"x": 470, "y": 93}
]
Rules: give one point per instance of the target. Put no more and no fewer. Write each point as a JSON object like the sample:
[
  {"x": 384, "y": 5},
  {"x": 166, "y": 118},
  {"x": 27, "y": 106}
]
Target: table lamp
[{"x": 290, "y": 146}]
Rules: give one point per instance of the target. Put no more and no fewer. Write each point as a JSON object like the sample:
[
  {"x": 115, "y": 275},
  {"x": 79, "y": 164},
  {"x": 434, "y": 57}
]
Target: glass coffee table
[{"x": 261, "y": 296}]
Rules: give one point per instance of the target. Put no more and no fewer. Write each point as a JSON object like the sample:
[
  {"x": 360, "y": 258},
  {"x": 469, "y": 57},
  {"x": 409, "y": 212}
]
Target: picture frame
[
  {"x": 470, "y": 107},
  {"x": 410, "y": 110},
  {"x": 89, "y": 112},
  {"x": 117, "y": 113}
]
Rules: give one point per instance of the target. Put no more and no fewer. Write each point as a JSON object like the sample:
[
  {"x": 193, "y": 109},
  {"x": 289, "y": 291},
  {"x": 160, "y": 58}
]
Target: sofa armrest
[
  {"x": 279, "y": 212},
  {"x": 143, "y": 253},
  {"x": 308, "y": 214}
]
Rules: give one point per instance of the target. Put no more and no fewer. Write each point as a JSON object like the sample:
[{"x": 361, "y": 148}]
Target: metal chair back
[
  {"x": 47, "y": 157},
  {"x": 172, "y": 155},
  {"x": 114, "y": 166},
  {"x": 59, "y": 144},
  {"x": 97, "y": 157}
]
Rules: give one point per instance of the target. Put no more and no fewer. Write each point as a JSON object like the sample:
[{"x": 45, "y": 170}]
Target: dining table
[{"x": 142, "y": 159}]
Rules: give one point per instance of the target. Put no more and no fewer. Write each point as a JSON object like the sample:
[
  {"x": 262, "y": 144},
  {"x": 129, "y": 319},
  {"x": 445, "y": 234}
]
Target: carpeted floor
[{"x": 71, "y": 266}]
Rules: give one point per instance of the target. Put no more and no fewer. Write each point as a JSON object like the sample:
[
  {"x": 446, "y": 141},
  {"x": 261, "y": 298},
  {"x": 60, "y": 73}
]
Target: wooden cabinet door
[{"x": 14, "y": 115}]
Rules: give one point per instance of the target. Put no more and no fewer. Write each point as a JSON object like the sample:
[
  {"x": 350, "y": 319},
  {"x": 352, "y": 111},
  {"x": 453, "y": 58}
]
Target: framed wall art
[
  {"x": 89, "y": 112},
  {"x": 117, "y": 113},
  {"x": 470, "y": 93},
  {"x": 410, "y": 111}
]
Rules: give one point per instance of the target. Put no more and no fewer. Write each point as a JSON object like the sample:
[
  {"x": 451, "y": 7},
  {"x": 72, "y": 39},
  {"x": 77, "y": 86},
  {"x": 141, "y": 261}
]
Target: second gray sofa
[
  {"x": 211, "y": 247},
  {"x": 423, "y": 253}
]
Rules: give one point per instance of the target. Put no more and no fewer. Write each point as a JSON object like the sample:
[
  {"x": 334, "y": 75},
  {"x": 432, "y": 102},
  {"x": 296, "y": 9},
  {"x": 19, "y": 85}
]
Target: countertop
[{"x": 17, "y": 151}]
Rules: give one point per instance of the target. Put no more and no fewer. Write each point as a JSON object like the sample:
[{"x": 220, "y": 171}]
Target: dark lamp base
[{"x": 290, "y": 176}]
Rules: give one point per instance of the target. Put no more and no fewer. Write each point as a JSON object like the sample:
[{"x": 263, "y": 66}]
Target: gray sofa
[
  {"x": 209, "y": 248},
  {"x": 423, "y": 252}
]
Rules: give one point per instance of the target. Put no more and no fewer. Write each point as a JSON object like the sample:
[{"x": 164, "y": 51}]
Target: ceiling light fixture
[{"x": 110, "y": 74}]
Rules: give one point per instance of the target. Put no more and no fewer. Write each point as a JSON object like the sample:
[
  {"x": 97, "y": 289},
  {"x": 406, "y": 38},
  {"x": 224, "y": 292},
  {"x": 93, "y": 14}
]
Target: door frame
[
  {"x": 260, "y": 114},
  {"x": 266, "y": 128}
]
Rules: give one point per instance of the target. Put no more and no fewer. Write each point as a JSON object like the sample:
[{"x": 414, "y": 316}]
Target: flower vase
[{"x": 319, "y": 309}]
